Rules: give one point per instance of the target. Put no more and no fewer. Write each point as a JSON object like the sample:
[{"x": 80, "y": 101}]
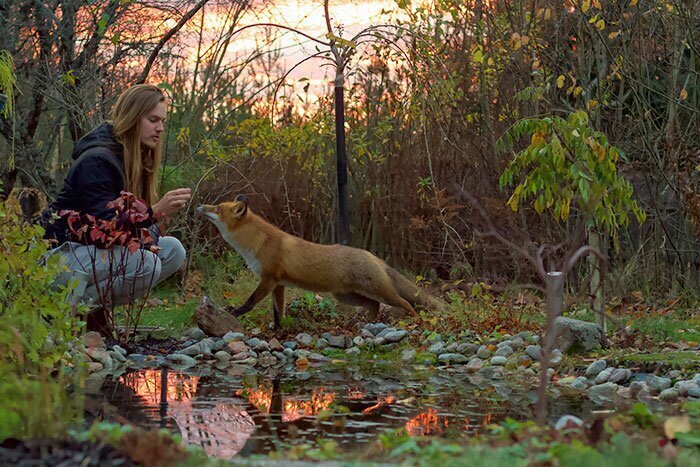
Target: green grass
[
  {"x": 686, "y": 360},
  {"x": 669, "y": 328}
]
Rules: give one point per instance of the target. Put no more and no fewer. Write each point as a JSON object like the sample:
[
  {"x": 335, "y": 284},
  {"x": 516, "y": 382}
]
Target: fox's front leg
[{"x": 261, "y": 291}]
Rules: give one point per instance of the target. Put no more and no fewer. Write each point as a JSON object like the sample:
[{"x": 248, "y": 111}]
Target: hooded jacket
[{"x": 95, "y": 178}]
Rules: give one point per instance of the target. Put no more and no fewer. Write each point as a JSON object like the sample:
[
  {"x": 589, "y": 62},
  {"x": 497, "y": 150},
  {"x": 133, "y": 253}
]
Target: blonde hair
[{"x": 140, "y": 164}]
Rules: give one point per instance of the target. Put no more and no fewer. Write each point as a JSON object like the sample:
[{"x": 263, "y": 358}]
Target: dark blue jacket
[{"x": 95, "y": 178}]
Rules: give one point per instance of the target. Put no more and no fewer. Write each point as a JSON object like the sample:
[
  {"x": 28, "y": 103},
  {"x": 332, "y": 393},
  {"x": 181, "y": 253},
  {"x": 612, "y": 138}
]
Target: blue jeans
[{"x": 115, "y": 275}]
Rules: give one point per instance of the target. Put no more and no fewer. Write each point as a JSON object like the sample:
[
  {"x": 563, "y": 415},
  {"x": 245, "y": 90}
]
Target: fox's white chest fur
[{"x": 250, "y": 259}]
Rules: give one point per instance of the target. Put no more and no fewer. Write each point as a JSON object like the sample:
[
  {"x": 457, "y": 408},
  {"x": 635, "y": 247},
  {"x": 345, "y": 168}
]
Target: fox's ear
[
  {"x": 242, "y": 199},
  {"x": 240, "y": 209}
]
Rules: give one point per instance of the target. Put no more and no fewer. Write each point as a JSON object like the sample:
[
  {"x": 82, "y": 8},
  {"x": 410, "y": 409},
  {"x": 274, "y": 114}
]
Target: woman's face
[{"x": 152, "y": 126}]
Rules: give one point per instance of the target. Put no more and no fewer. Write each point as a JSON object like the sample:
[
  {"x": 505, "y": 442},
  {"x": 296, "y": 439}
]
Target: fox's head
[{"x": 226, "y": 216}]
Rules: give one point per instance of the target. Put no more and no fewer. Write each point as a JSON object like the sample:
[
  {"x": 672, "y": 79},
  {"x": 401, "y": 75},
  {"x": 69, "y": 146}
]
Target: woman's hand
[{"x": 171, "y": 202}]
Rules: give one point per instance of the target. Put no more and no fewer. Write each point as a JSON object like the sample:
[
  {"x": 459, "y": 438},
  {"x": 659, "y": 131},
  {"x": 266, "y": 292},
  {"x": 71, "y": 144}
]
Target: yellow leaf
[
  {"x": 596, "y": 3},
  {"x": 585, "y": 5},
  {"x": 600, "y": 25},
  {"x": 525, "y": 40},
  {"x": 516, "y": 41},
  {"x": 577, "y": 91},
  {"x": 684, "y": 94},
  {"x": 600, "y": 150},
  {"x": 674, "y": 425},
  {"x": 614, "y": 34},
  {"x": 228, "y": 295},
  {"x": 560, "y": 81},
  {"x": 548, "y": 13},
  {"x": 634, "y": 2}
]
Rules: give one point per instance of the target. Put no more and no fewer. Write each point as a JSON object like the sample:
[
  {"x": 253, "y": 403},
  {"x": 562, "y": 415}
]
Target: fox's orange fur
[{"x": 353, "y": 276}]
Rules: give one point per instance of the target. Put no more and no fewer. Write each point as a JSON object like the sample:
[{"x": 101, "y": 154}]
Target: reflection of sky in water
[{"x": 242, "y": 415}]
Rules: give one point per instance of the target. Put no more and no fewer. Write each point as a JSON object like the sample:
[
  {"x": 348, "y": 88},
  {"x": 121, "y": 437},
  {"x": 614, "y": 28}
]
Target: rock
[
  {"x": 396, "y": 336},
  {"x": 504, "y": 351},
  {"x": 452, "y": 358},
  {"x": 568, "y": 421},
  {"x": 437, "y": 348},
  {"x": 181, "y": 360},
  {"x": 685, "y": 387},
  {"x": 375, "y": 328},
  {"x": 100, "y": 355},
  {"x": 603, "y": 392},
  {"x": 483, "y": 352},
  {"x": 379, "y": 341},
  {"x": 433, "y": 338},
  {"x": 94, "y": 367},
  {"x": 359, "y": 341},
  {"x": 694, "y": 391},
  {"x": 202, "y": 347},
  {"x": 451, "y": 348},
  {"x": 522, "y": 335},
  {"x": 637, "y": 387},
  {"x": 498, "y": 360},
  {"x": 580, "y": 383},
  {"x": 604, "y": 375},
  {"x": 280, "y": 355},
  {"x": 218, "y": 344},
  {"x": 669, "y": 395},
  {"x": 117, "y": 357},
  {"x": 595, "y": 368},
  {"x": 290, "y": 345},
  {"x": 222, "y": 356},
  {"x": 275, "y": 345},
  {"x": 92, "y": 339},
  {"x": 321, "y": 344},
  {"x": 517, "y": 343},
  {"x": 386, "y": 331},
  {"x": 657, "y": 384},
  {"x": 267, "y": 359},
  {"x": 305, "y": 339},
  {"x": 524, "y": 360},
  {"x": 302, "y": 362},
  {"x": 120, "y": 350},
  {"x": 248, "y": 361},
  {"x": 534, "y": 352},
  {"x": 289, "y": 353},
  {"x": 301, "y": 353},
  {"x": 497, "y": 372},
  {"x": 234, "y": 336},
  {"x": 574, "y": 335},
  {"x": 339, "y": 342},
  {"x": 215, "y": 320},
  {"x": 624, "y": 392},
  {"x": 241, "y": 356},
  {"x": 474, "y": 365},
  {"x": 674, "y": 374},
  {"x": 467, "y": 348},
  {"x": 317, "y": 357},
  {"x": 555, "y": 358},
  {"x": 237, "y": 347},
  {"x": 408, "y": 355},
  {"x": 620, "y": 375},
  {"x": 366, "y": 334},
  {"x": 353, "y": 351}
]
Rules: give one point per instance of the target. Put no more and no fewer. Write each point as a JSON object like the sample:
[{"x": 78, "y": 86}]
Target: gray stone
[
  {"x": 498, "y": 360},
  {"x": 353, "y": 351},
  {"x": 674, "y": 374},
  {"x": 318, "y": 358},
  {"x": 684, "y": 387},
  {"x": 237, "y": 347},
  {"x": 290, "y": 345},
  {"x": 386, "y": 331},
  {"x": 437, "y": 348},
  {"x": 483, "y": 352},
  {"x": 517, "y": 343},
  {"x": 241, "y": 356},
  {"x": 467, "y": 349},
  {"x": 568, "y": 421},
  {"x": 359, "y": 341},
  {"x": 321, "y": 344},
  {"x": 432, "y": 338},
  {"x": 408, "y": 355},
  {"x": 305, "y": 339},
  {"x": 694, "y": 391},
  {"x": 669, "y": 395},
  {"x": 574, "y": 335},
  {"x": 366, "y": 334},
  {"x": 522, "y": 335},
  {"x": 474, "y": 365},
  {"x": 524, "y": 360},
  {"x": 452, "y": 348},
  {"x": 232, "y": 336},
  {"x": 194, "y": 333},
  {"x": 181, "y": 360},
  {"x": 202, "y": 347},
  {"x": 120, "y": 350},
  {"x": 214, "y": 320},
  {"x": 555, "y": 358},
  {"x": 620, "y": 375},
  {"x": 452, "y": 358},
  {"x": 289, "y": 353},
  {"x": 396, "y": 336},
  {"x": 595, "y": 368},
  {"x": 497, "y": 372},
  {"x": 280, "y": 355},
  {"x": 375, "y": 328},
  {"x": 602, "y": 392},
  {"x": 580, "y": 383},
  {"x": 637, "y": 387},
  {"x": 339, "y": 342},
  {"x": 217, "y": 345},
  {"x": 504, "y": 351},
  {"x": 624, "y": 392},
  {"x": 117, "y": 357},
  {"x": 94, "y": 367},
  {"x": 248, "y": 361},
  {"x": 534, "y": 352},
  {"x": 379, "y": 341},
  {"x": 100, "y": 355},
  {"x": 604, "y": 375},
  {"x": 257, "y": 344},
  {"x": 222, "y": 356}
]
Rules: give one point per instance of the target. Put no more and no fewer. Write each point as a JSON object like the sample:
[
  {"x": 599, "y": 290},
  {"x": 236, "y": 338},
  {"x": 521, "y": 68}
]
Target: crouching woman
[{"x": 119, "y": 155}]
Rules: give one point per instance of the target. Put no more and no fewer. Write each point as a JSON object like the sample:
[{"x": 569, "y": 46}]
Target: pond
[{"x": 240, "y": 411}]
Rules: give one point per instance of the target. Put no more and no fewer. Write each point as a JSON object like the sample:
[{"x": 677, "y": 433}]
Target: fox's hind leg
[
  {"x": 355, "y": 299},
  {"x": 278, "y": 304}
]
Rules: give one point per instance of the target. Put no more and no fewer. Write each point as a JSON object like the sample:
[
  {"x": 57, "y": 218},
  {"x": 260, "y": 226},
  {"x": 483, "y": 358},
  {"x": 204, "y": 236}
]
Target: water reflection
[{"x": 246, "y": 414}]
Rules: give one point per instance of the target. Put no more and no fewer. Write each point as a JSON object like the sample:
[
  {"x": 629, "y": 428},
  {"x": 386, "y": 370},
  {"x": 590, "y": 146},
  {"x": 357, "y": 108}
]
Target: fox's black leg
[{"x": 261, "y": 291}]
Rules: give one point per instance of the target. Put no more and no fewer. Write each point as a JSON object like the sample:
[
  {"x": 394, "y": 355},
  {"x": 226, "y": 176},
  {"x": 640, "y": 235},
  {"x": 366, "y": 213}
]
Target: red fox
[{"x": 355, "y": 277}]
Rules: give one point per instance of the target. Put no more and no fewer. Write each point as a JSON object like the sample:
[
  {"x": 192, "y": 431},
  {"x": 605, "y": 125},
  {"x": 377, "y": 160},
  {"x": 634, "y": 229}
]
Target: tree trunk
[
  {"x": 342, "y": 163},
  {"x": 595, "y": 240}
]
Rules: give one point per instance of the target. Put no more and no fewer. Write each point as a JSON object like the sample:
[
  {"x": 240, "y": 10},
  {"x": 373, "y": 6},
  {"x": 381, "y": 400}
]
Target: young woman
[{"x": 119, "y": 155}]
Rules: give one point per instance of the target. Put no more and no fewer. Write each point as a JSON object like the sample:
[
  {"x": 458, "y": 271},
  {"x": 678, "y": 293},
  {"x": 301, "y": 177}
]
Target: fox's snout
[{"x": 207, "y": 211}]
